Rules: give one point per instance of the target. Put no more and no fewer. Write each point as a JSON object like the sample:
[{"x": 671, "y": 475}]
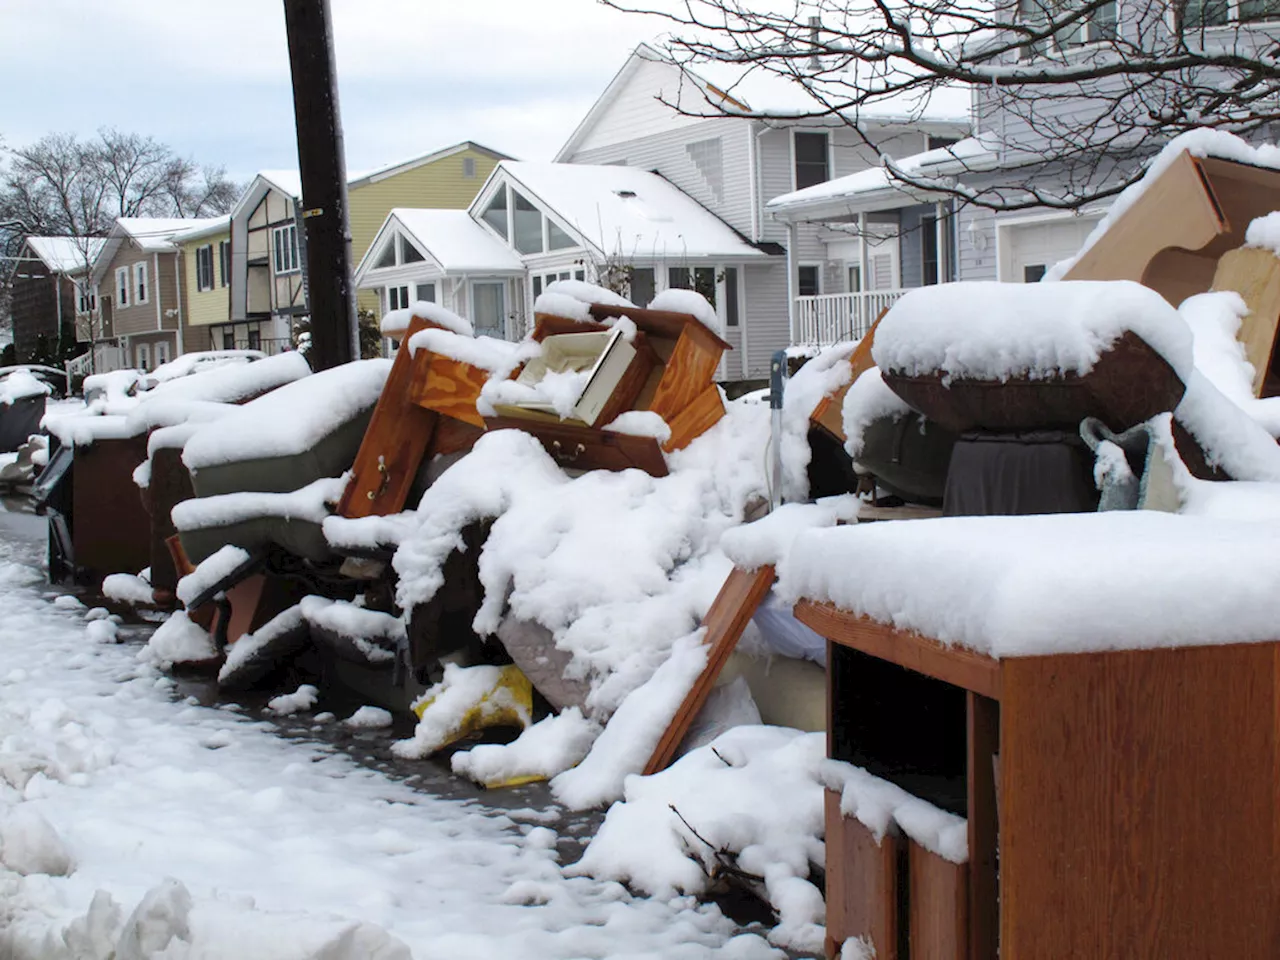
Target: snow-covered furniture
[{"x": 1101, "y": 711}]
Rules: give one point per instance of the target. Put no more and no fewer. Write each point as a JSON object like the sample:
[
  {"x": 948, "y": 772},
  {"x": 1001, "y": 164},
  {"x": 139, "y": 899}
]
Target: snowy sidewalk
[{"x": 196, "y": 832}]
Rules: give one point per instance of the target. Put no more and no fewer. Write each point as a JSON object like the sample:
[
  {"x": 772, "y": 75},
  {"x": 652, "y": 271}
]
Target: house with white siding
[{"x": 733, "y": 147}]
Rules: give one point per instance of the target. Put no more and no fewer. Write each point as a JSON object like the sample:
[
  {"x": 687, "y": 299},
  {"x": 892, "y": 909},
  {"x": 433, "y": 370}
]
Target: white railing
[
  {"x": 831, "y": 317},
  {"x": 81, "y": 366}
]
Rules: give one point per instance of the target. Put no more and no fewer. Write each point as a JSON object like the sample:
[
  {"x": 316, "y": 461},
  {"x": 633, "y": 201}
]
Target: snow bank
[
  {"x": 178, "y": 640},
  {"x": 29, "y": 845},
  {"x": 20, "y": 385},
  {"x": 310, "y": 503},
  {"x": 1199, "y": 143},
  {"x": 548, "y": 747},
  {"x": 213, "y": 568},
  {"x": 396, "y": 322},
  {"x": 291, "y": 419},
  {"x": 687, "y": 301},
  {"x": 867, "y": 401},
  {"x": 1067, "y": 583},
  {"x": 755, "y": 796},
  {"x": 818, "y": 378},
  {"x": 996, "y": 331}
]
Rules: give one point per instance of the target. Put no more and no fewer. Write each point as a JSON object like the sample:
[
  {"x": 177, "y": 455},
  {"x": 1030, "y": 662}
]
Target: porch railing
[
  {"x": 831, "y": 317},
  {"x": 81, "y": 366}
]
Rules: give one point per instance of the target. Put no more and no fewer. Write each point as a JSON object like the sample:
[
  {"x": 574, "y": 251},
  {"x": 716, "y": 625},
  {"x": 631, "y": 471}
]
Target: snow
[
  {"x": 155, "y": 234},
  {"x": 202, "y": 361},
  {"x": 1265, "y": 232},
  {"x": 487, "y": 353},
  {"x": 466, "y": 698},
  {"x": 1065, "y": 583},
  {"x": 29, "y": 845},
  {"x": 1214, "y": 319},
  {"x": 756, "y": 794},
  {"x": 996, "y": 331},
  {"x": 641, "y": 423},
  {"x": 768, "y": 540},
  {"x": 544, "y": 749},
  {"x": 362, "y": 627},
  {"x": 397, "y": 321},
  {"x": 231, "y": 382},
  {"x": 301, "y": 700},
  {"x": 1199, "y": 143},
  {"x": 178, "y": 640},
  {"x": 585, "y": 292},
  {"x": 21, "y": 385},
  {"x": 213, "y": 568},
  {"x": 820, "y": 377},
  {"x": 242, "y": 653},
  {"x": 85, "y": 430},
  {"x": 240, "y": 845},
  {"x": 453, "y": 240},
  {"x": 1229, "y": 437},
  {"x": 628, "y": 211},
  {"x": 883, "y": 807},
  {"x": 127, "y": 588},
  {"x": 309, "y": 503},
  {"x": 563, "y": 305},
  {"x": 368, "y": 718},
  {"x": 291, "y": 419},
  {"x": 67, "y": 254},
  {"x": 867, "y": 401},
  {"x": 690, "y": 302}
]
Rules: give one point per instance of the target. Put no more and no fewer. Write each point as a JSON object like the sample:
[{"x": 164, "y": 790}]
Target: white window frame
[
  {"x": 435, "y": 290},
  {"x": 204, "y": 262},
  {"x": 141, "y": 284},
  {"x": 87, "y": 296},
  {"x": 123, "y": 290},
  {"x": 818, "y": 268},
  {"x": 831, "y": 167},
  {"x": 142, "y": 357},
  {"x": 284, "y": 253},
  {"x": 162, "y": 352},
  {"x": 1053, "y": 45},
  {"x": 224, "y": 264},
  {"x": 397, "y": 297},
  {"x": 1233, "y": 19}
]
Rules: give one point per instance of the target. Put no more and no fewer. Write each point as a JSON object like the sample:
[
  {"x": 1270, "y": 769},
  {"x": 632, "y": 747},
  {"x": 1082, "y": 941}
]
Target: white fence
[{"x": 831, "y": 317}]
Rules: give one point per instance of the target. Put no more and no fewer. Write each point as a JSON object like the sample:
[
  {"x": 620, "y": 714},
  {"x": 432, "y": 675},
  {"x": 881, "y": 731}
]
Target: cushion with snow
[{"x": 1001, "y": 357}]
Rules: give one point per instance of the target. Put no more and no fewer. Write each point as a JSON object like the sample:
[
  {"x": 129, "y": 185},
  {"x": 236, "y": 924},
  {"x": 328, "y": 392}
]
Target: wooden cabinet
[{"x": 1120, "y": 805}]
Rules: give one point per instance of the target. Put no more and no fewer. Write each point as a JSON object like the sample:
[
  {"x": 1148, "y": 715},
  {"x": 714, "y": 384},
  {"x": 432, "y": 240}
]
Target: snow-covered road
[{"x": 197, "y": 832}]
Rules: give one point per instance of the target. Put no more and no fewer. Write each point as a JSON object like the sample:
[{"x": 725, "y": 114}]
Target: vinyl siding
[
  {"x": 765, "y": 313},
  {"x": 976, "y": 264},
  {"x": 210, "y": 306},
  {"x": 636, "y": 112},
  {"x": 142, "y": 318}
]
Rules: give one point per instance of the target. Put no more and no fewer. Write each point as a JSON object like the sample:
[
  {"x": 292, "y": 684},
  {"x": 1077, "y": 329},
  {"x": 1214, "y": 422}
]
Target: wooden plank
[
  {"x": 628, "y": 388},
  {"x": 690, "y": 369},
  {"x": 658, "y": 323},
  {"x": 829, "y": 413},
  {"x": 578, "y": 447},
  {"x": 982, "y": 747},
  {"x": 1254, "y": 274},
  {"x": 862, "y": 884},
  {"x": 449, "y": 387},
  {"x": 937, "y": 906},
  {"x": 954, "y": 665},
  {"x": 725, "y": 620},
  {"x": 695, "y": 419},
  {"x": 549, "y": 324},
  {"x": 453, "y": 436},
  {"x": 1139, "y": 805},
  {"x": 395, "y": 441}
]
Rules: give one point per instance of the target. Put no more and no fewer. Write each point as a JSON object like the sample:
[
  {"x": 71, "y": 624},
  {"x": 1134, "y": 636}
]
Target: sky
[{"x": 212, "y": 79}]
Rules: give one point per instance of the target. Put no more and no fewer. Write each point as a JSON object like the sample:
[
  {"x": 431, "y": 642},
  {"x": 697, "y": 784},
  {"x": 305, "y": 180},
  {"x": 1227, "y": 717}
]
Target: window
[
  {"x": 468, "y": 168},
  {"x": 642, "y": 286},
  {"x": 284, "y": 245},
  {"x": 388, "y": 256},
  {"x": 1194, "y": 15},
  {"x": 929, "y": 250},
  {"x": 1033, "y": 273},
  {"x": 228, "y": 340},
  {"x": 162, "y": 352},
  {"x": 255, "y": 339},
  {"x": 397, "y": 298},
  {"x": 224, "y": 263},
  {"x": 811, "y": 159},
  {"x": 425, "y": 291},
  {"x": 855, "y": 279},
  {"x": 557, "y": 239},
  {"x": 537, "y": 287},
  {"x": 140, "y": 283},
  {"x": 495, "y": 214},
  {"x": 122, "y": 287},
  {"x": 87, "y": 294},
  {"x": 699, "y": 279},
  {"x": 731, "y": 296},
  {"x": 204, "y": 267},
  {"x": 488, "y": 309},
  {"x": 937, "y": 143},
  {"x": 528, "y": 226},
  {"x": 808, "y": 282},
  {"x": 409, "y": 253},
  {"x": 142, "y": 357},
  {"x": 1097, "y": 25}
]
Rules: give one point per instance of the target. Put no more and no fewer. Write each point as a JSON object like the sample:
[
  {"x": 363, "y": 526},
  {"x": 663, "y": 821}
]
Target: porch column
[
  {"x": 940, "y": 238},
  {"x": 863, "y": 282},
  {"x": 791, "y": 281}
]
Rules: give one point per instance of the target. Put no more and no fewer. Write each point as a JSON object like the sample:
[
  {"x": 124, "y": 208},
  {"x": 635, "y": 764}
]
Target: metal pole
[
  {"x": 322, "y": 164},
  {"x": 777, "y": 387}
]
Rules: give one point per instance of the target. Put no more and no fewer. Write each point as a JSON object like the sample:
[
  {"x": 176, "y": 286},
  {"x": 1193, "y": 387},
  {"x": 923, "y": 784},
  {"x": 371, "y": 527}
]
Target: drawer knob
[{"x": 564, "y": 456}]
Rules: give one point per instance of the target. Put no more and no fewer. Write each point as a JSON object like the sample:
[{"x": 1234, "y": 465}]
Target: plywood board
[
  {"x": 690, "y": 369},
  {"x": 725, "y": 620},
  {"x": 579, "y": 447},
  {"x": 829, "y": 413},
  {"x": 862, "y": 884},
  {"x": 938, "y": 906},
  {"x": 696, "y": 419},
  {"x": 448, "y": 387},
  {"x": 1255, "y": 275}
]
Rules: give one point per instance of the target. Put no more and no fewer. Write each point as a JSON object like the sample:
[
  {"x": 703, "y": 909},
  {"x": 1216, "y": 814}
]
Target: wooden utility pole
[{"x": 323, "y": 166}]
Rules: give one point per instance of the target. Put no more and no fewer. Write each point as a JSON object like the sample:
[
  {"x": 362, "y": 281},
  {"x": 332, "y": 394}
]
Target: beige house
[
  {"x": 206, "y": 282},
  {"x": 141, "y": 299}
]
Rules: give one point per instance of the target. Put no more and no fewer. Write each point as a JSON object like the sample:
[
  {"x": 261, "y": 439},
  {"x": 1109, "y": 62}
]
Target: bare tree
[{"x": 1072, "y": 95}]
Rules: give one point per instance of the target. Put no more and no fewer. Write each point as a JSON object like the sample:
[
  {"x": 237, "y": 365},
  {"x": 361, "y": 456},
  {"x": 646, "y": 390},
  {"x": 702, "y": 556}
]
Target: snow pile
[
  {"x": 179, "y": 640},
  {"x": 310, "y": 503},
  {"x": 884, "y": 807},
  {"x": 487, "y": 353},
  {"x": 29, "y": 845},
  {"x": 1066, "y": 583},
  {"x": 996, "y": 331},
  {"x": 1230, "y": 438},
  {"x": 362, "y": 627},
  {"x": 544, "y": 749},
  {"x": 105, "y": 391},
  {"x": 289, "y": 420},
  {"x": 85, "y": 429},
  {"x": 1214, "y": 319},
  {"x": 641, "y": 423},
  {"x": 127, "y": 588},
  {"x": 1264, "y": 232},
  {"x": 202, "y": 361},
  {"x": 1203, "y": 142},
  {"x": 235, "y": 381},
  {"x": 753, "y": 799},
  {"x": 867, "y": 401},
  {"x": 369, "y": 718},
  {"x": 21, "y": 385},
  {"x": 818, "y": 378},
  {"x": 558, "y": 389},
  {"x": 396, "y": 322},
  {"x": 690, "y": 302},
  {"x": 212, "y": 569},
  {"x": 301, "y": 700},
  {"x": 585, "y": 292},
  {"x": 768, "y": 540},
  {"x": 466, "y": 700}
]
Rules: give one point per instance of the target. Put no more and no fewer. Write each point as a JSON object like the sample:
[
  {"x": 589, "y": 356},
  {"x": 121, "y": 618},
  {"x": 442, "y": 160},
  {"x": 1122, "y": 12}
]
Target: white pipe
[
  {"x": 154, "y": 282},
  {"x": 178, "y": 261},
  {"x": 791, "y": 281},
  {"x": 938, "y": 239}
]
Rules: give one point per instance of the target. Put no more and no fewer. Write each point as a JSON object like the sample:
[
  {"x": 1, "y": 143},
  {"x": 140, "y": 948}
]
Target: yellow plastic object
[
  {"x": 518, "y": 781},
  {"x": 470, "y": 699}
]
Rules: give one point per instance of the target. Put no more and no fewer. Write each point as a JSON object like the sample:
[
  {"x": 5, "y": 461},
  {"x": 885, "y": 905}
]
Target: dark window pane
[
  {"x": 811, "y": 159},
  {"x": 1259, "y": 9},
  {"x": 411, "y": 253},
  {"x": 807, "y": 285},
  {"x": 704, "y": 282},
  {"x": 678, "y": 278},
  {"x": 537, "y": 286},
  {"x": 731, "y": 296},
  {"x": 642, "y": 286},
  {"x": 495, "y": 214},
  {"x": 928, "y": 250},
  {"x": 557, "y": 239},
  {"x": 1033, "y": 273},
  {"x": 427, "y": 292},
  {"x": 580, "y": 275}
]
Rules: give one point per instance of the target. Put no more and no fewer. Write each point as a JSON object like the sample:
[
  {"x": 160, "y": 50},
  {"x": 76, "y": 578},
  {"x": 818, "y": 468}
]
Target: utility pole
[{"x": 323, "y": 166}]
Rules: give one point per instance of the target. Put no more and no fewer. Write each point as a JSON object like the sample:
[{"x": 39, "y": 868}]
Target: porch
[{"x": 828, "y": 318}]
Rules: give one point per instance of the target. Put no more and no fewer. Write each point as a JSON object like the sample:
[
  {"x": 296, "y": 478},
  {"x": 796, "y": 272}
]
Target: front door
[{"x": 489, "y": 308}]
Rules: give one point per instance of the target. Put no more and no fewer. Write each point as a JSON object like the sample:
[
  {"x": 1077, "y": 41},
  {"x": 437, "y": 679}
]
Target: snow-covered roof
[
  {"x": 451, "y": 238},
  {"x": 878, "y": 189},
  {"x": 66, "y": 254},
  {"x": 209, "y": 227},
  {"x": 156, "y": 234},
  {"x": 286, "y": 181},
  {"x": 624, "y": 210}
]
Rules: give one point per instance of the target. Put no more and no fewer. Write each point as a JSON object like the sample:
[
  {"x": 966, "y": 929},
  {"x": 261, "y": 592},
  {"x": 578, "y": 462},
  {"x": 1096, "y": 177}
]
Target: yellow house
[
  {"x": 205, "y": 255},
  {"x": 268, "y": 283}
]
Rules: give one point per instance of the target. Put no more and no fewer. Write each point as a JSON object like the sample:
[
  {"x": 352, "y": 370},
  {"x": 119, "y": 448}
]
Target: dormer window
[
  {"x": 524, "y": 226},
  {"x": 495, "y": 214}
]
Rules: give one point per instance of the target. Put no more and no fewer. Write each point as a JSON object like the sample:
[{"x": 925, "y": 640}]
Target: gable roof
[
  {"x": 726, "y": 89},
  {"x": 390, "y": 170},
  {"x": 66, "y": 254},
  {"x": 208, "y": 228},
  {"x": 623, "y": 210},
  {"x": 454, "y": 241},
  {"x": 148, "y": 234}
]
